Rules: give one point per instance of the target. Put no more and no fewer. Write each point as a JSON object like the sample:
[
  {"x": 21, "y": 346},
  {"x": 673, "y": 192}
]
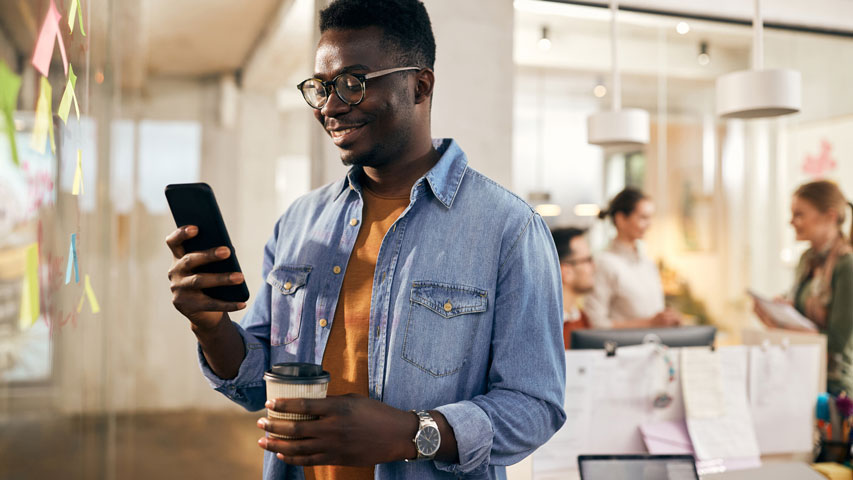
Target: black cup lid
[{"x": 295, "y": 372}]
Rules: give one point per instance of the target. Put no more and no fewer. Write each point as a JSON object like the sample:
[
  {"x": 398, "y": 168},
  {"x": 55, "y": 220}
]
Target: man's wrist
[{"x": 408, "y": 450}]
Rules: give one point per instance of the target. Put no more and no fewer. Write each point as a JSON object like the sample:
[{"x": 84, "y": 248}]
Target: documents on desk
[
  {"x": 720, "y": 428},
  {"x": 736, "y": 402},
  {"x": 783, "y": 384}
]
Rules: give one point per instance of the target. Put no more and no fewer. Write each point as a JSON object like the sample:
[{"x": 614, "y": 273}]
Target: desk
[{"x": 770, "y": 471}]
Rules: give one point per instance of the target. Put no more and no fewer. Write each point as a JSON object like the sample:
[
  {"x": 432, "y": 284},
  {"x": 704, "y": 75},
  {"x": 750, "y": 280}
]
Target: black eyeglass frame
[{"x": 361, "y": 77}]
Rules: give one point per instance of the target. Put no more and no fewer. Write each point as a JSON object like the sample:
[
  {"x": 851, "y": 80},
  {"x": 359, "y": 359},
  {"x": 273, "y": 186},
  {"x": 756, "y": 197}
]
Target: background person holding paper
[
  {"x": 628, "y": 291},
  {"x": 823, "y": 291}
]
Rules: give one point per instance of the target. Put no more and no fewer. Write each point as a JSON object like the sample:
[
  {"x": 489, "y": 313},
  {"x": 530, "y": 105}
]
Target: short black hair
[
  {"x": 563, "y": 237},
  {"x": 405, "y": 24}
]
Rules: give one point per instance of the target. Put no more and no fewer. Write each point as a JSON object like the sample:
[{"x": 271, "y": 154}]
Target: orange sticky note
[
  {"x": 30, "y": 291},
  {"x": 77, "y": 188},
  {"x": 68, "y": 96},
  {"x": 73, "y": 10},
  {"x": 44, "y": 119},
  {"x": 89, "y": 294},
  {"x": 49, "y": 35},
  {"x": 10, "y": 84}
]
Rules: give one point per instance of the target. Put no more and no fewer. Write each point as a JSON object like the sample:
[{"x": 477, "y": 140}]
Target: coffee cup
[{"x": 294, "y": 380}]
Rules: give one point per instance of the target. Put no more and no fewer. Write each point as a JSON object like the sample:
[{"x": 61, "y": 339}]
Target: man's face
[
  {"x": 378, "y": 129},
  {"x": 578, "y": 270}
]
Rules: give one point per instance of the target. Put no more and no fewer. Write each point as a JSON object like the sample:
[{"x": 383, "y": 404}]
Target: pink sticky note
[{"x": 44, "y": 45}]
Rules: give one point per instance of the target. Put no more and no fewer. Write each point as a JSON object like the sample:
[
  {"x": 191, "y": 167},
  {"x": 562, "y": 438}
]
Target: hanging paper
[
  {"x": 77, "y": 188},
  {"x": 48, "y": 35},
  {"x": 75, "y": 9},
  {"x": 10, "y": 84},
  {"x": 30, "y": 288},
  {"x": 72, "y": 261},
  {"x": 90, "y": 294},
  {"x": 44, "y": 119},
  {"x": 68, "y": 96}
]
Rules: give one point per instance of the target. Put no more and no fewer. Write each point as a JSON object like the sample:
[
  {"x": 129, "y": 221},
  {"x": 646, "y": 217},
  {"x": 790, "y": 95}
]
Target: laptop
[{"x": 637, "y": 467}]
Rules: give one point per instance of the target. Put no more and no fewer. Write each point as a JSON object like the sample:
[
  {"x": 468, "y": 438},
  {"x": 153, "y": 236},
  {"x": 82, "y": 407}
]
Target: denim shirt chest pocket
[
  {"x": 443, "y": 319},
  {"x": 288, "y": 298}
]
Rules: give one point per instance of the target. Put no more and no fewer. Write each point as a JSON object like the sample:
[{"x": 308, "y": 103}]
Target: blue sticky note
[
  {"x": 72, "y": 257},
  {"x": 823, "y": 407}
]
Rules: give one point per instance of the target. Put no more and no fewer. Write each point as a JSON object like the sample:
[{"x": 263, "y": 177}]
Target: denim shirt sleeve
[
  {"x": 247, "y": 389},
  {"x": 523, "y": 407}
]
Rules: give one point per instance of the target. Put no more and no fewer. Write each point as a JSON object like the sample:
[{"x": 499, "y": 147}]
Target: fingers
[
  {"x": 206, "y": 280},
  {"x": 305, "y": 451},
  {"x": 189, "y": 302},
  {"x": 317, "y": 407},
  {"x": 176, "y": 239}
]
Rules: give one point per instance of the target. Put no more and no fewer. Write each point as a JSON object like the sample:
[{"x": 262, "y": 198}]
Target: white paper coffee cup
[{"x": 294, "y": 380}]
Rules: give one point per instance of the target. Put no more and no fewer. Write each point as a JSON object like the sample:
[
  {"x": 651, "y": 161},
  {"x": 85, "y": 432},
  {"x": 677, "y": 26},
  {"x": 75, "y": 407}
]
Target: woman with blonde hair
[{"x": 823, "y": 290}]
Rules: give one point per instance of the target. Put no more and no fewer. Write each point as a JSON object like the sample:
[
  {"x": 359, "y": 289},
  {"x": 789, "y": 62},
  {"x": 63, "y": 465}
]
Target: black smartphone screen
[{"x": 194, "y": 204}]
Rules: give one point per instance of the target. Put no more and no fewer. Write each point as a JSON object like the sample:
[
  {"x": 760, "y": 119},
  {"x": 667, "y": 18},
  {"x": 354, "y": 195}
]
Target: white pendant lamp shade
[
  {"x": 628, "y": 126},
  {"x": 758, "y": 93},
  {"x": 618, "y": 127}
]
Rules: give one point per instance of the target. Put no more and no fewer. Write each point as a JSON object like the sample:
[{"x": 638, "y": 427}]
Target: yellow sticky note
[
  {"x": 77, "y": 188},
  {"x": 10, "y": 84},
  {"x": 30, "y": 288},
  {"x": 44, "y": 119},
  {"x": 68, "y": 96},
  {"x": 73, "y": 10},
  {"x": 90, "y": 294}
]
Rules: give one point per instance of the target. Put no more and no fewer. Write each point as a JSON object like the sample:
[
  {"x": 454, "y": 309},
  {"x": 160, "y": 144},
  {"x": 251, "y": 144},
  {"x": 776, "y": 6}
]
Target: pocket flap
[
  {"x": 449, "y": 300},
  {"x": 289, "y": 278}
]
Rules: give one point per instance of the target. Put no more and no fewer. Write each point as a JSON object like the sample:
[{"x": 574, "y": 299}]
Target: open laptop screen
[{"x": 637, "y": 467}]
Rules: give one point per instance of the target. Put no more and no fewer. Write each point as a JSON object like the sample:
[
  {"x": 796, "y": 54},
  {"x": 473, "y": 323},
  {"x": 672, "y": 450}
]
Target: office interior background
[{"x": 205, "y": 91}]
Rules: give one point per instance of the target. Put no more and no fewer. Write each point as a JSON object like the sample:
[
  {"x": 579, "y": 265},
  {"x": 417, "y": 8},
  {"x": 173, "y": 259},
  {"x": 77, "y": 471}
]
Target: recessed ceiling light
[{"x": 682, "y": 28}]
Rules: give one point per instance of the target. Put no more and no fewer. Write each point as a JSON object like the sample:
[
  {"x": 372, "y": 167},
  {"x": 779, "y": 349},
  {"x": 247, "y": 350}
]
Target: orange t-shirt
[{"x": 346, "y": 350}]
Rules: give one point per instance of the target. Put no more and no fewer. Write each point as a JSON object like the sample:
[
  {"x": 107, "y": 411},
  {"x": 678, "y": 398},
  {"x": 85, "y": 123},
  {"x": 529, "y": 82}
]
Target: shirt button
[
  {"x": 287, "y": 285},
  {"x": 448, "y": 307},
  {"x": 323, "y": 322},
  {"x": 336, "y": 269},
  {"x": 353, "y": 222}
]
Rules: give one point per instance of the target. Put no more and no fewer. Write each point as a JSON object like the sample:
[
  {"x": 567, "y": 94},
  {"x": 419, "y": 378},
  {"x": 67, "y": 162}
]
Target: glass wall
[{"x": 721, "y": 188}]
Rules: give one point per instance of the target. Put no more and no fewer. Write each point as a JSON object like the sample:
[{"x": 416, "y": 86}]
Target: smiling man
[{"x": 429, "y": 293}]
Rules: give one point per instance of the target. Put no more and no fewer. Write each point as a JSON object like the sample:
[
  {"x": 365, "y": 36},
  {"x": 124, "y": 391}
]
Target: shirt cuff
[
  {"x": 249, "y": 377},
  {"x": 473, "y": 431}
]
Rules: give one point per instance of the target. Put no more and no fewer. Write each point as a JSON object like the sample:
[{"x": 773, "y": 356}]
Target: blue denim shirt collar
[{"x": 443, "y": 178}]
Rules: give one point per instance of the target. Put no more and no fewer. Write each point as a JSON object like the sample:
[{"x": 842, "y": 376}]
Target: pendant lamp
[
  {"x": 758, "y": 93},
  {"x": 617, "y": 127}
]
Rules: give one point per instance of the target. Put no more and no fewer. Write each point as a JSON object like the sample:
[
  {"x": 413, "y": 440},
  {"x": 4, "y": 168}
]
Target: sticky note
[
  {"x": 68, "y": 96},
  {"x": 49, "y": 35},
  {"x": 77, "y": 188},
  {"x": 72, "y": 261},
  {"x": 90, "y": 294},
  {"x": 44, "y": 119},
  {"x": 73, "y": 10},
  {"x": 10, "y": 85},
  {"x": 30, "y": 288}
]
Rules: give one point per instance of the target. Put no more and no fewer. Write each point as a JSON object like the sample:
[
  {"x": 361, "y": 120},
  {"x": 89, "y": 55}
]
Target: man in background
[{"x": 577, "y": 269}]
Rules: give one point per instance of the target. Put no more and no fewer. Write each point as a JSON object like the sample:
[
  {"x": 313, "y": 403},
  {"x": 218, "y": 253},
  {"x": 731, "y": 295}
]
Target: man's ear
[
  {"x": 425, "y": 82},
  {"x": 566, "y": 273}
]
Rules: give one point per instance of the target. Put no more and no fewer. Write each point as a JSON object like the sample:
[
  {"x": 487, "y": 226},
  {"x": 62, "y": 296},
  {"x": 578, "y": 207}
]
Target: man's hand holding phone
[{"x": 202, "y": 310}]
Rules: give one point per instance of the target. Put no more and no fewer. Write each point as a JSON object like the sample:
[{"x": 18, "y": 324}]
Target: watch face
[{"x": 428, "y": 441}]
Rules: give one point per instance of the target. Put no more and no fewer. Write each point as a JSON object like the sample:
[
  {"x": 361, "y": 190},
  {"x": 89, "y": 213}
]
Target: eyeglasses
[
  {"x": 349, "y": 87},
  {"x": 578, "y": 261}
]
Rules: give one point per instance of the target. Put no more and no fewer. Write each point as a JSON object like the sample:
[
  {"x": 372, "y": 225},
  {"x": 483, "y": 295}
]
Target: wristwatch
[{"x": 428, "y": 438}]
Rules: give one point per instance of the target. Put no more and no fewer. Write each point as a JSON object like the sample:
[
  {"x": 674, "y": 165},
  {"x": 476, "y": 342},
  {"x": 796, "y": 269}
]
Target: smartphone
[{"x": 194, "y": 204}]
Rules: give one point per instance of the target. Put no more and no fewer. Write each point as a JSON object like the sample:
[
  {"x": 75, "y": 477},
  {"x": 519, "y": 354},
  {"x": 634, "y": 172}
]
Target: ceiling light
[
  {"x": 704, "y": 59},
  {"x": 682, "y": 28},
  {"x": 548, "y": 210},
  {"x": 757, "y": 92},
  {"x": 587, "y": 210},
  {"x": 544, "y": 42},
  {"x": 599, "y": 91},
  {"x": 618, "y": 127}
]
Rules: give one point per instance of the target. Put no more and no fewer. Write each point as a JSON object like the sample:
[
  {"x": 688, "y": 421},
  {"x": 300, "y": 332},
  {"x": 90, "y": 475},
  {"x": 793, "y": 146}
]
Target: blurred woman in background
[
  {"x": 628, "y": 291},
  {"x": 823, "y": 290}
]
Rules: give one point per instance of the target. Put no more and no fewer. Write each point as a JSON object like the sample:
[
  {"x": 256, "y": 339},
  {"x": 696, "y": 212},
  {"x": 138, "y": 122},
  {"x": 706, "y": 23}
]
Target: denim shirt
[{"x": 465, "y": 315}]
